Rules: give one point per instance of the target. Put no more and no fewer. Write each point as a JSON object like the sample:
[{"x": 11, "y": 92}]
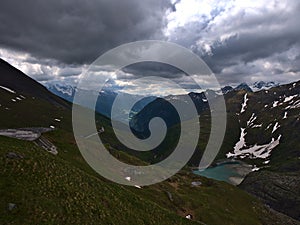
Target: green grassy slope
[
  {"x": 31, "y": 112},
  {"x": 49, "y": 190},
  {"x": 60, "y": 189}
]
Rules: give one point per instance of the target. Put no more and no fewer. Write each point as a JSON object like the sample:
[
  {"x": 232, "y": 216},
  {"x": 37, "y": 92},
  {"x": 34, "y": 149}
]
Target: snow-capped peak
[
  {"x": 62, "y": 88},
  {"x": 262, "y": 85}
]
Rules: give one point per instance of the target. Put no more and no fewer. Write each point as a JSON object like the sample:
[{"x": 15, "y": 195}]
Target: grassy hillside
[
  {"x": 49, "y": 190},
  {"x": 60, "y": 189}
]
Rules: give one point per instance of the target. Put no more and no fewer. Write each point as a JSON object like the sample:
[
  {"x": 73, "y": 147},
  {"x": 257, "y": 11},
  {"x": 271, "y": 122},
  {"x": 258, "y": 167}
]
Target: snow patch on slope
[
  {"x": 255, "y": 168},
  {"x": 251, "y": 120},
  {"x": 287, "y": 99},
  {"x": 295, "y": 105},
  {"x": 257, "y": 151},
  {"x": 240, "y": 144},
  {"x": 257, "y": 125},
  {"x": 268, "y": 127},
  {"x": 244, "y": 104},
  {"x": 276, "y": 126},
  {"x": 7, "y": 89},
  {"x": 275, "y": 104}
]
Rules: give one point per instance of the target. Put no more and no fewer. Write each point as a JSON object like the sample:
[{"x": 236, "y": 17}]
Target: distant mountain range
[
  {"x": 106, "y": 97},
  {"x": 67, "y": 91},
  {"x": 64, "y": 91},
  {"x": 255, "y": 87},
  {"x": 260, "y": 85},
  {"x": 105, "y": 100}
]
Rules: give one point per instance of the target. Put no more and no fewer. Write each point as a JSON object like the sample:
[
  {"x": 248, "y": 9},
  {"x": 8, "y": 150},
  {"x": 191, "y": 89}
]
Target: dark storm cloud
[
  {"x": 241, "y": 41},
  {"x": 236, "y": 40},
  {"x": 153, "y": 69},
  {"x": 75, "y": 31},
  {"x": 248, "y": 47},
  {"x": 156, "y": 69}
]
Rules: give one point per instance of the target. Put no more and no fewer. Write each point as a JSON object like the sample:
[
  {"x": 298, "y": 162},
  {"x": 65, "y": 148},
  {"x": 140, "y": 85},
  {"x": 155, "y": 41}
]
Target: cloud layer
[
  {"x": 241, "y": 41},
  {"x": 75, "y": 31}
]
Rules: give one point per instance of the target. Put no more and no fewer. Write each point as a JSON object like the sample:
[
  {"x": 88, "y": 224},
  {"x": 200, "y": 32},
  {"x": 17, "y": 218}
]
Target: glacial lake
[{"x": 232, "y": 172}]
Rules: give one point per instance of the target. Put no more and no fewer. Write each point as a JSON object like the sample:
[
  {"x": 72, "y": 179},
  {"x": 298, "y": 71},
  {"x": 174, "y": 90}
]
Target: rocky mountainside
[
  {"x": 280, "y": 191},
  {"x": 269, "y": 125},
  {"x": 25, "y": 102},
  {"x": 263, "y": 129},
  {"x": 14, "y": 81},
  {"x": 267, "y": 121}
]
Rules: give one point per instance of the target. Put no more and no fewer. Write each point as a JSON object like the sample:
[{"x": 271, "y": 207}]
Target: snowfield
[{"x": 257, "y": 151}]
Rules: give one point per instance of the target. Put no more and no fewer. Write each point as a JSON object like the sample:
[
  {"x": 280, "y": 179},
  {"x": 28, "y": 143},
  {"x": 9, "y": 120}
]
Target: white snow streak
[
  {"x": 251, "y": 120},
  {"x": 255, "y": 168},
  {"x": 243, "y": 109},
  {"x": 285, "y": 115},
  {"x": 287, "y": 99},
  {"x": 257, "y": 126},
  {"x": 268, "y": 127},
  {"x": 275, "y": 104},
  {"x": 7, "y": 89},
  {"x": 276, "y": 126},
  {"x": 295, "y": 105}
]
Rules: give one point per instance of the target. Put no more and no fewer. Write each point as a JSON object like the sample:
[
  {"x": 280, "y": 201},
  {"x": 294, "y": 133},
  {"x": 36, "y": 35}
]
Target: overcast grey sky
[{"x": 241, "y": 40}]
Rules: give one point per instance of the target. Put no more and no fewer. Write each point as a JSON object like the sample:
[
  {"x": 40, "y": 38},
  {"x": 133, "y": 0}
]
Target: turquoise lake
[{"x": 230, "y": 172}]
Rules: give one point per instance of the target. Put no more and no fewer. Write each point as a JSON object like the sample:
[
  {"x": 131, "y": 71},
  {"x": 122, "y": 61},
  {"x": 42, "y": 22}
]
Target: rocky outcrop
[{"x": 280, "y": 191}]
